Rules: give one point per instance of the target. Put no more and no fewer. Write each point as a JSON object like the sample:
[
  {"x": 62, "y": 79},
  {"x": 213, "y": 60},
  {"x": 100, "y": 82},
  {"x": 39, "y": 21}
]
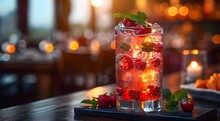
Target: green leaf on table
[
  {"x": 173, "y": 99},
  {"x": 172, "y": 105},
  {"x": 124, "y": 46},
  {"x": 166, "y": 94},
  {"x": 180, "y": 94},
  {"x": 92, "y": 102}
]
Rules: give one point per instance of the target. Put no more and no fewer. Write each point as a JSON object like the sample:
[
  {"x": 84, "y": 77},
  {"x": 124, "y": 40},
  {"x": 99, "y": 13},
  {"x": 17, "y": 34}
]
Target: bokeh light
[
  {"x": 172, "y": 11},
  {"x": 183, "y": 11},
  {"x": 95, "y": 47},
  {"x": 216, "y": 39},
  {"x": 8, "y": 48},
  {"x": 49, "y": 48},
  {"x": 73, "y": 45}
]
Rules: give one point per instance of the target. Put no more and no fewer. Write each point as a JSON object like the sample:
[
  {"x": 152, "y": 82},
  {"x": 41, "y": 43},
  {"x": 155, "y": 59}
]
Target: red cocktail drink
[{"x": 139, "y": 65}]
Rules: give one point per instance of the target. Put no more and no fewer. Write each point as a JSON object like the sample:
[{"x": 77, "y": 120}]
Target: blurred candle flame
[{"x": 96, "y": 3}]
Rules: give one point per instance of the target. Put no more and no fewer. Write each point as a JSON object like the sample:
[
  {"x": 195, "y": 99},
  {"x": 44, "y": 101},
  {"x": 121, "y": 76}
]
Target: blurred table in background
[
  {"x": 27, "y": 77},
  {"x": 62, "y": 107}
]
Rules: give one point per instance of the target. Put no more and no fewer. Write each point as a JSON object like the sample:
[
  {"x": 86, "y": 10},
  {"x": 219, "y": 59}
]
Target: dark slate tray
[{"x": 199, "y": 114}]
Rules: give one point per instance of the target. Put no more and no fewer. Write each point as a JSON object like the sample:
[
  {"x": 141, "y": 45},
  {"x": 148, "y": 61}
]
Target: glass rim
[{"x": 155, "y": 30}]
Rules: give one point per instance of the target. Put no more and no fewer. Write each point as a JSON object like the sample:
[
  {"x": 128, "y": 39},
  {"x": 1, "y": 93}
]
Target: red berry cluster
[
  {"x": 151, "y": 93},
  {"x": 139, "y": 29},
  {"x": 106, "y": 101},
  {"x": 102, "y": 101},
  {"x": 126, "y": 62}
]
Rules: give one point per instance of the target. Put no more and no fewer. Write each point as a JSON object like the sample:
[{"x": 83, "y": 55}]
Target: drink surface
[{"x": 139, "y": 63}]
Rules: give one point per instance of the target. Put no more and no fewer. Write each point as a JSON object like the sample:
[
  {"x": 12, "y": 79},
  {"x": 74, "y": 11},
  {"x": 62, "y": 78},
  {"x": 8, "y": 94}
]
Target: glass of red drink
[{"x": 139, "y": 65}]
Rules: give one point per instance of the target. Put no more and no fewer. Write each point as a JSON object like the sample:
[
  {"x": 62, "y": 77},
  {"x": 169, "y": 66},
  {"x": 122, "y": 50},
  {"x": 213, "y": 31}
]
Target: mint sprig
[
  {"x": 93, "y": 102},
  {"x": 173, "y": 99},
  {"x": 140, "y": 18}
]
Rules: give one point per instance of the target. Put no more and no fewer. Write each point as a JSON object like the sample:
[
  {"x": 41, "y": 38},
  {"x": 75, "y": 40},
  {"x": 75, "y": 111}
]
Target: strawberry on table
[
  {"x": 113, "y": 99},
  {"x": 187, "y": 104},
  {"x": 104, "y": 101}
]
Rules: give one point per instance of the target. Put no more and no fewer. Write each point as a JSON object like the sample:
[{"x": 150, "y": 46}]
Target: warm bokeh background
[{"x": 54, "y": 47}]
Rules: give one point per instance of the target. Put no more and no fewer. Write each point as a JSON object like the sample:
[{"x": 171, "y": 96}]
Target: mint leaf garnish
[
  {"x": 173, "y": 99},
  {"x": 172, "y": 105},
  {"x": 126, "y": 15},
  {"x": 92, "y": 102},
  {"x": 140, "y": 18},
  {"x": 148, "y": 46},
  {"x": 180, "y": 94},
  {"x": 124, "y": 46},
  {"x": 166, "y": 94}
]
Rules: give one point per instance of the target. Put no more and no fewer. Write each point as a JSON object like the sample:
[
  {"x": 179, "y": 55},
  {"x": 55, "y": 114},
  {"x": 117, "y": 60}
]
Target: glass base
[{"x": 138, "y": 106}]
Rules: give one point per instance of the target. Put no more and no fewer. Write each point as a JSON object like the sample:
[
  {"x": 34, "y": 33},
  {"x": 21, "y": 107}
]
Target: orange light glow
[
  {"x": 195, "y": 52},
  {"x": 172, "y": 11},
  {"x": 10, "y": 48},
  {"x": 48, "y": 47},
  {"x": 113, "y": 45},
  {"x": 95, "y": 92},
  {"x": 208, "y": 6},
  {"x": 193, "y": 14},
  {"x": 141, "y": 4},
  {"x": 216, "y": 39},
  {"x": 183, "y": 11},
  {"x": 185, "y": 52},
  {"x": 95, "y": 46},
  {"x": 174, "y": 2},
  {"x": 150, "y": 75},
  {"x": 73, "y": 45},
  {"x": 187, "y": 27}
]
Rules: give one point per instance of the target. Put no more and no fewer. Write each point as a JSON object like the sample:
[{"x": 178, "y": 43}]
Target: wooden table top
[{"x": 62, "y": 107}]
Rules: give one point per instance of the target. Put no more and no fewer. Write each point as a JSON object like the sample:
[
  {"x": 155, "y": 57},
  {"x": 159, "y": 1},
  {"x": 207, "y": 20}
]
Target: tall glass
[{"x": 139, "y": 65}]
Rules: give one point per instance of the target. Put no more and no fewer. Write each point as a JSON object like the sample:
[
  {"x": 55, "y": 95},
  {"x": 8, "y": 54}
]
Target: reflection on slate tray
[{"x": 199, "y": 114}]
